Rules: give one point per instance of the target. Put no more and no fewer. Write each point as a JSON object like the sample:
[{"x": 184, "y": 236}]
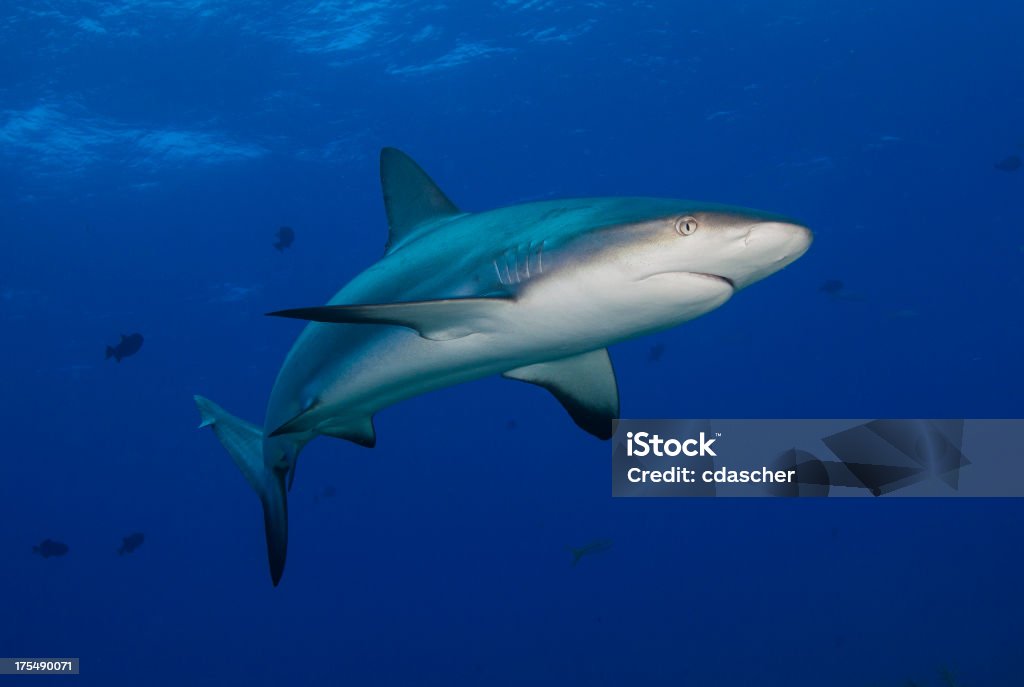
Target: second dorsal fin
[{"x": 411, "y": 198}]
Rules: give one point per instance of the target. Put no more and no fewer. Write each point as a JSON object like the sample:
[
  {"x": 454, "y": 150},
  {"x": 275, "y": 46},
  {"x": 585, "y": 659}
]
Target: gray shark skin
[{"x": 535, "y": 292}]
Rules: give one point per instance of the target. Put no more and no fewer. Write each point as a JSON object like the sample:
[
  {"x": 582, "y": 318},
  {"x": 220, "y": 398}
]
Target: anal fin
[{"x": 360, "y": 432}]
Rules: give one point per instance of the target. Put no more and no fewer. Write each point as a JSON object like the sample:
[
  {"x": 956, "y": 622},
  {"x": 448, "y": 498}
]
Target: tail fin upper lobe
[
  {"x": 111, "y": 353},
  {"x": 244, "y": 441}
]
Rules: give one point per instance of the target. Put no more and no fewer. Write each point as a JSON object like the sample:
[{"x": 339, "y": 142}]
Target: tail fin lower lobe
[{"x": 244, "y": 442}]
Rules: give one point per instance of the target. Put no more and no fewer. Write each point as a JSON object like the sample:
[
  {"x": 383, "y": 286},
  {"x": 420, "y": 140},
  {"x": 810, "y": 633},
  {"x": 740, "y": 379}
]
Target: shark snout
[{"x": 768, "y": 247}]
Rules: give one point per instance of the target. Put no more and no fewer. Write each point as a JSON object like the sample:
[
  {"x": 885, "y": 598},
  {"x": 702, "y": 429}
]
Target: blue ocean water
[{"x": 149, "y": 151}]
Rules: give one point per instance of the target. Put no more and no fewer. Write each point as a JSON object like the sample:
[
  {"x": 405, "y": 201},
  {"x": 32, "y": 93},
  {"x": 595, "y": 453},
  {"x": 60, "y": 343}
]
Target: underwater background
[{"x": 149, "y": 154}]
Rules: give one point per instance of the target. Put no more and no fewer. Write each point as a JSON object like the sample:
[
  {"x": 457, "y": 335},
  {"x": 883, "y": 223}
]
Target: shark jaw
[{"x": 533, "y": 292}]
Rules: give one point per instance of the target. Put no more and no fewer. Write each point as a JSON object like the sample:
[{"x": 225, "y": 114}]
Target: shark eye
[{"x": 686, "y": 225}]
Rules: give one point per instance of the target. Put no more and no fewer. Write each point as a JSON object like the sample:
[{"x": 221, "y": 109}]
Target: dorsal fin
[{"x": 411, "y": 198}]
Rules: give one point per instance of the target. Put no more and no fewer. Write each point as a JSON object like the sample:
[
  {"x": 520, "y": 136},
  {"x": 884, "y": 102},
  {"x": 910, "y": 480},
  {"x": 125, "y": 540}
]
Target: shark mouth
[
  {"x": 706, "y": 275},
  {"x": 717, "y": 277}
]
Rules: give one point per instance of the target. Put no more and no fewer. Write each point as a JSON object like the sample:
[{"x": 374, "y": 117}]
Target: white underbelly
[{"x": 551, "y": 320}]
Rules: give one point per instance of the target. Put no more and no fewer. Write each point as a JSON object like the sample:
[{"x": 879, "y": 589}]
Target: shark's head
[
  {"x": 664, "y": 262},
  {"x": 738, "y": 247}
]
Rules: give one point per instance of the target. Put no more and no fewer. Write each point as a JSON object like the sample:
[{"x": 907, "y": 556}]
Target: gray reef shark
[{"x": 534, "y": 292}]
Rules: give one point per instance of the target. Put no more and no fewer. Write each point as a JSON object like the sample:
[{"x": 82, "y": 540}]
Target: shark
[{"x": 535, "y": 292}]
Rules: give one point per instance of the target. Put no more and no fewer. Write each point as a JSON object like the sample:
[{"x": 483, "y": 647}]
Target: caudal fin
[
  {"x": 112, "y": 353},
  {"x": 244, "y": 441}
]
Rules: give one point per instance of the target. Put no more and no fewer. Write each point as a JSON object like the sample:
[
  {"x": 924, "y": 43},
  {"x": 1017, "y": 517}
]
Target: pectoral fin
[
  {"x": 439, "y": 320},
  {"x": 584, "y": 384}
]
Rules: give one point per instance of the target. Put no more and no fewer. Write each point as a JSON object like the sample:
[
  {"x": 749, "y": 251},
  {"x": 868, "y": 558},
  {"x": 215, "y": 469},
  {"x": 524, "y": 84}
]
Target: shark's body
[{"x": 534, "y": 291}]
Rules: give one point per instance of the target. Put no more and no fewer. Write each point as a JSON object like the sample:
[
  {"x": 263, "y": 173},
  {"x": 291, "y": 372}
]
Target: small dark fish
[
  {"x": 285, "y": 238},
  {"x": 328, "y": 492},
  {"x": 129, "y": 345},
  {"x": 657, "y": 350},
  {"x": 948, "y": 678},
  {"x": 131, "y": 542},
  {"x": 511, "y": 424},
  {"x": 832, "y": 287},
  {"x": 597, "y": 546},
  {"x": 49, "y": 547},
  {"x": 1009, "y": 164}
]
